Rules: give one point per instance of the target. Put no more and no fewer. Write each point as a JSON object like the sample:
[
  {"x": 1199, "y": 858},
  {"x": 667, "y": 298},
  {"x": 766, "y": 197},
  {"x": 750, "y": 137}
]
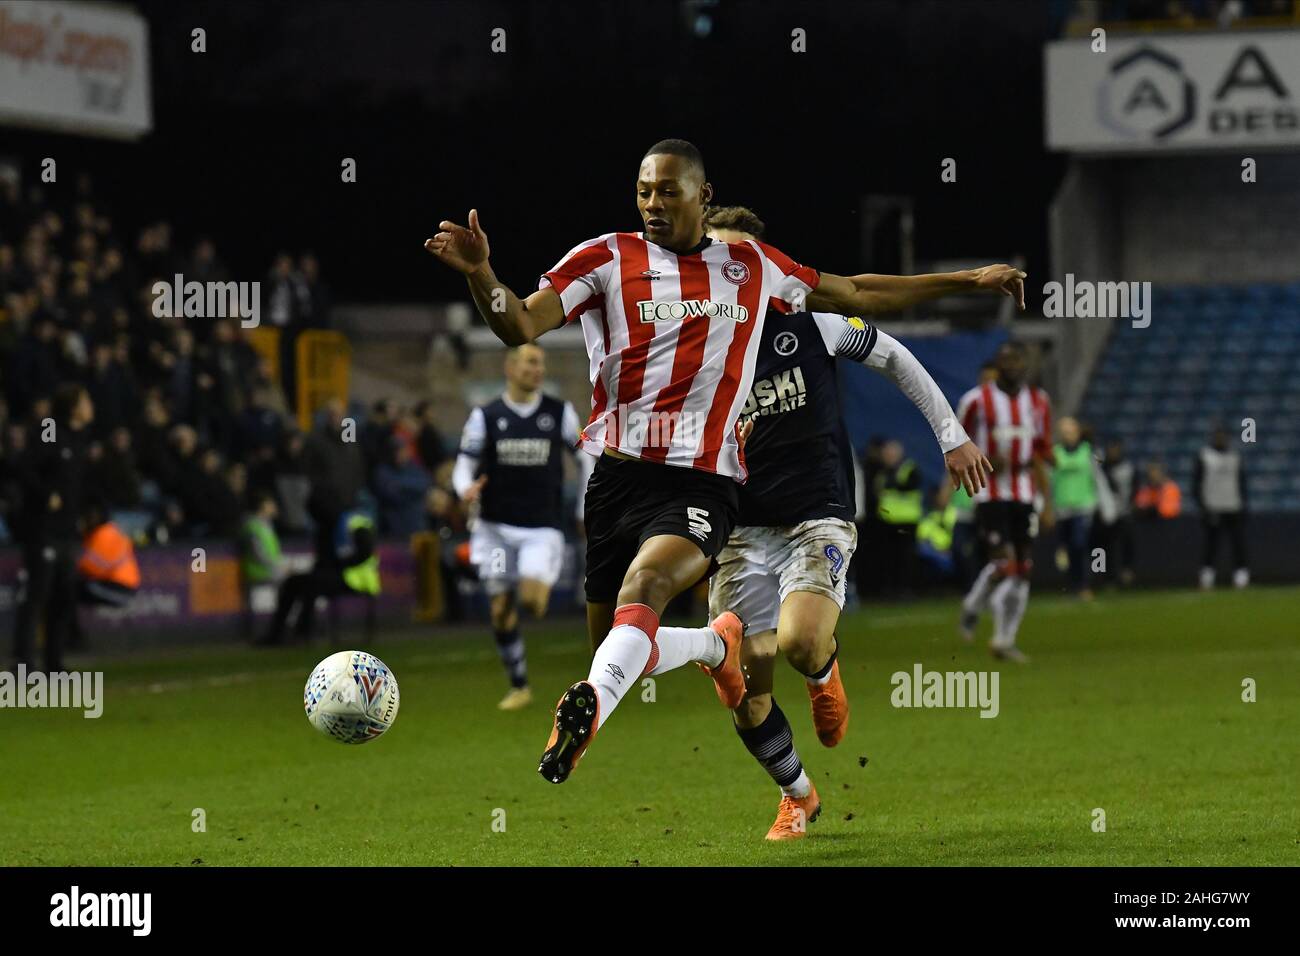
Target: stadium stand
[
  {"x": 193, "y": 415},
  {"x": 1218, "y": 354}
]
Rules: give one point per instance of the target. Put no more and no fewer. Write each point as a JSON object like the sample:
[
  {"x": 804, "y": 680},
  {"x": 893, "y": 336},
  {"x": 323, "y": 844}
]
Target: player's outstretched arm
[
  {"x": 869, "y": 294},
  {"x": 966, "y": 464},
  {"x": 513, "y": 320}
]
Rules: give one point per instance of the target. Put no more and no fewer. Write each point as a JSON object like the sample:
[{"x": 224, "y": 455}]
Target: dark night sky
[{"x": 546, "y": 138}]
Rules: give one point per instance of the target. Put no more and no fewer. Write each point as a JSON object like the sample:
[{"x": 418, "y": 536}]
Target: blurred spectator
[
  {"x": 1219, "y": 484},
  {"x": 337, "y": 472},
  {"x": 934, "y": 535},
  {"x": 13, "y": 511},
  {"x": 260, "y": 558},
  {"x": 32, "y": 370},
  {"x": 401, "y": 487},
  {"x": 115, "y": 475},
  {"x": 1114, "y": 533},
  {"x": 284, "y": 294},
  {"x": 53, "y": 476},
  {"x": 156, "y": 454},
  {"x": 292, "y": 484},
  {"x": 428, "y": 441},
  {"x": 1159, "y": 497},
  {"x": 352, "y": 566},
  {"x": 966, "y": 547},
  {"x": 1074, "y": 498},
  {"x": 211, "y": 503},
  {"x": 204, "y": 266},
  {"x": 871, "y": 531},
  {"x": 376, "y": 432},
  {"x": 109, "y": 573},
  {"x": 112, "y": 389},
  {"x": 315, "y": 301},
  {"x": 898, "y": 493}
]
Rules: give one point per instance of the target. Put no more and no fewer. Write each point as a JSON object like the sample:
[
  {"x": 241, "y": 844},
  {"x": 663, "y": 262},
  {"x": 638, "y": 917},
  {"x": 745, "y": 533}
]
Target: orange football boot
[
  {"x": 793, "y": 816},
  {"x": 575, "y": 727},
  {"x": 830, "y": 708},
  {"x": 728, "y": 678}
]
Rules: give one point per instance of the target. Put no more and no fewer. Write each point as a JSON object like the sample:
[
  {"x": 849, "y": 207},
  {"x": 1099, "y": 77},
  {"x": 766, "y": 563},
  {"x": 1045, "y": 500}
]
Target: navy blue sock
[
  {"x": 511, "y": 648},
  {"x": 772, "y": 745}
]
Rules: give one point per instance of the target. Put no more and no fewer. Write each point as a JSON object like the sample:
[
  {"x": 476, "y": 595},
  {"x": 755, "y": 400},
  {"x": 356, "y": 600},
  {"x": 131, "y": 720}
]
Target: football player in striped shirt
[
  {"x": 785, "y": 569},
  {"x": 672, "y": 321},
  {"x": 1012, "y": 421}
]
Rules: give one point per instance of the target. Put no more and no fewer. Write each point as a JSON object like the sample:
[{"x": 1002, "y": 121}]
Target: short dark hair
[
  {"x": 678, "y": 147},
  {"x": 66, "y": 397},
  {"x": 737, "y": 218}
]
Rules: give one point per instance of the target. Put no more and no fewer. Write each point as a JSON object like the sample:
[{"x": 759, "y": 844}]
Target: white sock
[
  {"x": 681, "y": 645},
  {"x": 998, "y": 601},
  {"x": 800, "y": 788},
  {"x": 622, "y": 656},
  {"x": 977, "y": 598},
  {"x": 1017, "y": 602}
]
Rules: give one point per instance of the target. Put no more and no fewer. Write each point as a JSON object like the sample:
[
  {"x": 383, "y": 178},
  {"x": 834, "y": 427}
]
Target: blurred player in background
[
  {"x": 671, "y": 320},
  {"x": 511, "y": 462},
  {"x": 1219, "y": 485},
  {"x": 1012, "y": 422},
  {"x": 785, "y": 568}
]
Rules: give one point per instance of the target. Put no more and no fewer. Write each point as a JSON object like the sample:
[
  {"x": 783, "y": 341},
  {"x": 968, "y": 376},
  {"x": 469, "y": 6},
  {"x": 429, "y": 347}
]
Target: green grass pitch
[{"x": 1132, "y": 704}]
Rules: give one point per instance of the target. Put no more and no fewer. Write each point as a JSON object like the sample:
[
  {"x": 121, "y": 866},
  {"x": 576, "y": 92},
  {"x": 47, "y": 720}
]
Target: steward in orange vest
[{"x": 108, "y": 569}]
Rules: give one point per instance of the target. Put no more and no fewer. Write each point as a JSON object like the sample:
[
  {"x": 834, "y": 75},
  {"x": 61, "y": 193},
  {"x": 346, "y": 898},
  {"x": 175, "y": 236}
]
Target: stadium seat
[{"x": 1214, "y": 355}]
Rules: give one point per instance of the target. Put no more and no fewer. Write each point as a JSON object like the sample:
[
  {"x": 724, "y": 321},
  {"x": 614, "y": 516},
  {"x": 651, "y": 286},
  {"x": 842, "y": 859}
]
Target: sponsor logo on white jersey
[{"x": 651, "y": 311}]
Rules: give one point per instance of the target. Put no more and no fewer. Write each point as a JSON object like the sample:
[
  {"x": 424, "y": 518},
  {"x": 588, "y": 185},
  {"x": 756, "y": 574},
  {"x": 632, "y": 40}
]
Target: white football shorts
[
  {"x": 505, "y": 553},
  {"x": 760, "y": 566}
]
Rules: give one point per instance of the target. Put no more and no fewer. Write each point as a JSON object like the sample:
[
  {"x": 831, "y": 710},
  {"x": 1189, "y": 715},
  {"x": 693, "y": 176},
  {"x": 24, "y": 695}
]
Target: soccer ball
[{"x": 351, "y": 696}]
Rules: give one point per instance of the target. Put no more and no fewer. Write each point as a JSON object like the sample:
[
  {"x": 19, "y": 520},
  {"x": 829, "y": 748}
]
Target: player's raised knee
[{"x": 649, "y": 586}]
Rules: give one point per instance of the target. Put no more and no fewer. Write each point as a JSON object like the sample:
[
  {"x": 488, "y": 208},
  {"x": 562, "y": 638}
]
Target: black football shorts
[
  {"x": 629, "y": 500},
  {"x": 1007, "y": 522}
]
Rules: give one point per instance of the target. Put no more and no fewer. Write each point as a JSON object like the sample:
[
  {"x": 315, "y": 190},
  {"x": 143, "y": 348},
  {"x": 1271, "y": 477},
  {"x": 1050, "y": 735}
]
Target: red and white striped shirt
[
  {"x": 672, "y": 340},
  {"x": 1014, "y": 428}
]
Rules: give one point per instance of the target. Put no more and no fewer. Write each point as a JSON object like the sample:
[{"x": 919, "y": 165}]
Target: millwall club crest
[
  {"x": 735, "y": 272},
  {"x": 785, "y": 343},
  {"x": 502, "y": 424},
  {"x": 545, "y": 422}
]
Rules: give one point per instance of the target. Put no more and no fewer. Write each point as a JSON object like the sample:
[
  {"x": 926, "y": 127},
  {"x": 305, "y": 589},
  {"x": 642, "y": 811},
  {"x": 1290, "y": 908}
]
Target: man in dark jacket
[{"x": 53, "y": 477}]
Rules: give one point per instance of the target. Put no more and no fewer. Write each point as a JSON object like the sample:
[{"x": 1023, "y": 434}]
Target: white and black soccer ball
[{"x": 351, "y": 696}]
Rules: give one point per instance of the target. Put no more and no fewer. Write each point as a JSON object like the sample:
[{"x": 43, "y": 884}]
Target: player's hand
[
  {"x": 1002, "y": 278},
  {"x": 1047, "y": 520},
  {"x": 967, "y": 467},
  {"x": 473, "y": 492},
  {"x": 743, "y": 431},
  {"x": 464, "y": 249}
]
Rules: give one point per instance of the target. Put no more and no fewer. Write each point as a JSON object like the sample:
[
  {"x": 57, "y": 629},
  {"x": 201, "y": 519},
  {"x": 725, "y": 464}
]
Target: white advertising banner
[
  {"x": 78, "y": 67},
  {"x": 1174, "y": 92}
]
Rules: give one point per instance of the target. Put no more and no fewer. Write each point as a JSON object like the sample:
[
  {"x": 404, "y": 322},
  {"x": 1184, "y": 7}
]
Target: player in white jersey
[
  {"x": 671, "y": 321},
  {"x": 511, "y": 463},
  {"x": 1012, "y": 422}
]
